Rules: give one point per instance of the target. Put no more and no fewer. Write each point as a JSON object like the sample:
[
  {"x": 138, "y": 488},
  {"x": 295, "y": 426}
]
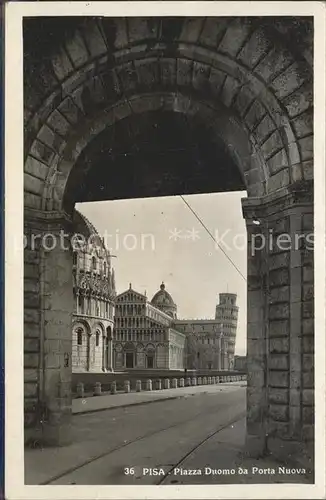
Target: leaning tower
[{"x": 227, "y": 315}]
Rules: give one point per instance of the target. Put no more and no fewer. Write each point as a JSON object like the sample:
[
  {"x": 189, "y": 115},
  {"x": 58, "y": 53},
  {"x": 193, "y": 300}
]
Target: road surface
[
  {"x": 161, "y": 443},
  {"x": 154, "y": 435}
]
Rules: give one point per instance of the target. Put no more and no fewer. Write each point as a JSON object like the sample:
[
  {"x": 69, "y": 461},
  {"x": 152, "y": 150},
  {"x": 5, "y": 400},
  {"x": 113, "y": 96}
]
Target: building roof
[
  {"x": 131, "y": 290},
  {"x": 163, "y": 298},
  {"x": 198, "y": 320},
  {"x": 82, "y": 225}
]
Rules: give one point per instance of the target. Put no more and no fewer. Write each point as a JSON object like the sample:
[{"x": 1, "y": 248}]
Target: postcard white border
[{"x": 14, "y": 457}]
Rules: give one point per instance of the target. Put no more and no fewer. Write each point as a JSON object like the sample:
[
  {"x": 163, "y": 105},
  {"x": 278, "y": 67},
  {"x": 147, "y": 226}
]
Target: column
[
  {"x": 110, "y": 353},
  {"x": 280, "y": 323},
  {"x": 48, "y": 308},
  {"x": 103, "y": 338},
  {"x": 219, "y": 353}
]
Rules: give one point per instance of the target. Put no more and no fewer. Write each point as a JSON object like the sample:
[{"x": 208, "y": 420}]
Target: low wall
[{"x": 90, "y": 379}]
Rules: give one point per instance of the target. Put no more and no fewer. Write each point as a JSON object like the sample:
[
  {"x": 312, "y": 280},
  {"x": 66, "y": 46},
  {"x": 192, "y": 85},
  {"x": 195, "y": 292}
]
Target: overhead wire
[{"x": 214, "y": 239}]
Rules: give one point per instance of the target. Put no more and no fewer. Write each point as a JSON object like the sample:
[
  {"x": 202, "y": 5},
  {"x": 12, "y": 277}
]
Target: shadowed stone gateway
[{"x": 232, "y": 97}]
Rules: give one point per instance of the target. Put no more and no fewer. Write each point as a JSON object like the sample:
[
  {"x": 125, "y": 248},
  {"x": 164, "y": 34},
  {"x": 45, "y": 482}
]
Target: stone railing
[{"x": 155, "y": 384}]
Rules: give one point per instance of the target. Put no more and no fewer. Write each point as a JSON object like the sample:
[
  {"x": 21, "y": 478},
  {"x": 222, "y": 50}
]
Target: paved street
[
  {"x": 198, "y": 429},
  {"x": 171, "y": 427}
]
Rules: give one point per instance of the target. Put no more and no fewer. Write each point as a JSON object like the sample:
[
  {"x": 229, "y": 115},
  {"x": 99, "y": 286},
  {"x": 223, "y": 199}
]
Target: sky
[{"x": 160, "y": 239}]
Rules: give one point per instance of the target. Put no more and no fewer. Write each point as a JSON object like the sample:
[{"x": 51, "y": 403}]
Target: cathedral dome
[{"x": 163, "y": 301}]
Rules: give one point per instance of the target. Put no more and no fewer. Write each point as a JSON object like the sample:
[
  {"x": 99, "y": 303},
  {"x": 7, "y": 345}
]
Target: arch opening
[
  {"x": 157, "y": 153},
  {"x": 263, "y": 86},
  {"x": 126, "y": 108}
]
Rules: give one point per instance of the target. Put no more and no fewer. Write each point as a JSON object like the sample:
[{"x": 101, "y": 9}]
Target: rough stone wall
[
  {"x": 32, "y": 339},
  {"x": 242, "y": 65},
  {"x": 256, "y": 93},
  {"x": 202, "y": 336},
  {"x": 209, "y": 354},
  {"x": 281, "y": 326},
  {"x": 240, "y": 363},
  {"x": 47, "y": 333}
]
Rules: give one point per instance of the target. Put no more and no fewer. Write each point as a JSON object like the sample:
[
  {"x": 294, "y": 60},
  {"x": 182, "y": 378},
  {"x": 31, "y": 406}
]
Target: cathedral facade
[
  {"x": 94, "y": 300},
  {"x": 145, "y": 337},
  {"x": 128, "y": 331}
]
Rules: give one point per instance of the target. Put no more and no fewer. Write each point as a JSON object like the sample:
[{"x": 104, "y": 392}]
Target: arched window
[
  {"x": 104, "y": 267},
  {"x": 79, "y": 336},
  {"x": 74, "y": 259},
  {"x": 93, "y": 263},
  {"x": 97, "y": 341}
]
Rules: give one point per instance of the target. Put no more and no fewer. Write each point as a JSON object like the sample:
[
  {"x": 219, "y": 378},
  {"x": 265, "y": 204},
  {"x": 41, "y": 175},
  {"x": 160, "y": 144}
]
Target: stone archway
[
  {"x": 247, "y": 82},
  {"x": 96, "y": 81},
  {"x": 150, "y": 353}
]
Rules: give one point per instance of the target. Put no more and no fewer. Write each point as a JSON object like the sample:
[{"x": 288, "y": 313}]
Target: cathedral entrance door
[
  {"x": 150, "y": 361},
  {"x": 129, "y": 359}
]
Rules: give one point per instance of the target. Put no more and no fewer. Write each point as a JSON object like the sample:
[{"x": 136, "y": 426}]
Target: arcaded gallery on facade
[{"x": 128, "y": 331}]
